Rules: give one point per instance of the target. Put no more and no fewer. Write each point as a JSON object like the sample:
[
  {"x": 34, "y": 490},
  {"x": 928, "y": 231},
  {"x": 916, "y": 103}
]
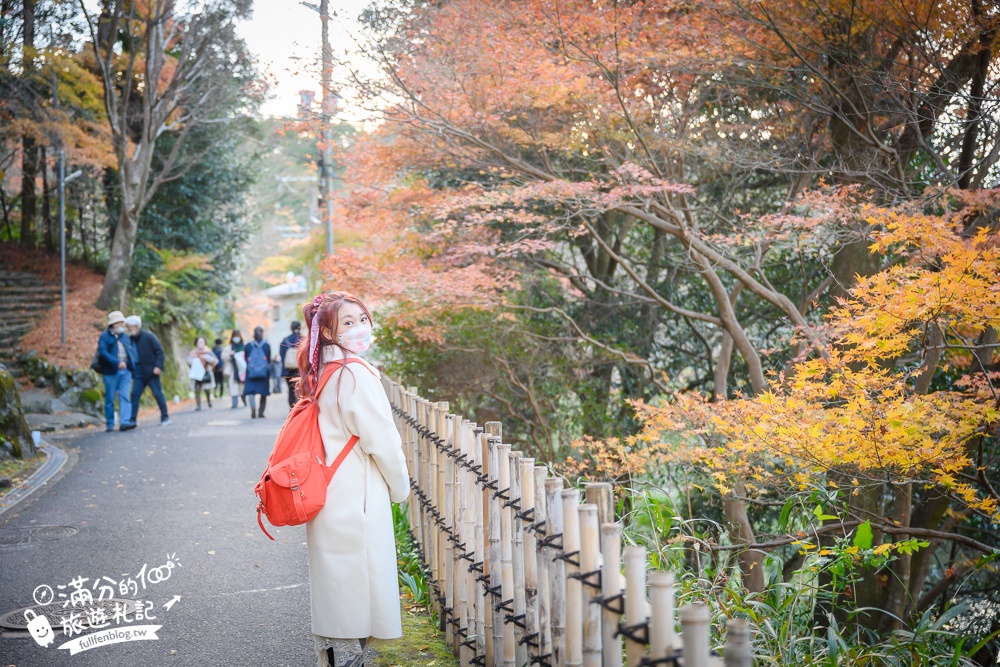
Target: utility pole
[
  {"x": 326, "y": 118},
  {"x": 324, "y": 7}
]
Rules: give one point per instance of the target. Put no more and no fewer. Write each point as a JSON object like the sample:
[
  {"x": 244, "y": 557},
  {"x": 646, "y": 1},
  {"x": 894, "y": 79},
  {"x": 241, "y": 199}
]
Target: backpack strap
[
  {"x": 331, "y": 366},
  {"x": 332, "y": 470}
]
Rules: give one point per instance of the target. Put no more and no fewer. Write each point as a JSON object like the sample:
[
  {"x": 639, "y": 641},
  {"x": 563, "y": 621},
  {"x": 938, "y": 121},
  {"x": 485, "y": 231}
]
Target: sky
[{"x": 285, "y": 36}]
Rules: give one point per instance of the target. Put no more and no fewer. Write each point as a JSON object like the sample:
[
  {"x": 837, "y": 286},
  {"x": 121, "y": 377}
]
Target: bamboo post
[
  {"x": 479, "y": 548},
  {"x": 544, "y": 558},
  {"x": 662, "y": 638},
  {"x": 635, "y": 600},
  {"x": 590, "y": 559},
  {"x": 412, "y": 460},
  {"x": 428, "y": 487},
  {"x": 530, "y": 557},
  {"x": 557, "y": 571},
  {"x": 506, "y": 553},
  {"x": 694, "y": 627},
  {"x": 447, "y": 507},
  {"x": 496, "y": 556},
  {"x": 601, "y": 494},
  {"x": 489, "y": 564},
  {"x": 417, "y": 471},
  {"x": 611, "y": 645},
  {"x": 739, "y": 652},
  {"x": 573, "y": 585},
  {"x": 464, "y": 489},
  {"x": 436, "y": 504},
  {"x": 517, "y": 560}
]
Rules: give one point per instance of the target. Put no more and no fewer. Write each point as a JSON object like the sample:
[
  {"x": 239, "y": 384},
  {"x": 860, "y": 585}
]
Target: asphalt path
[{"x": 182, "y": 495}]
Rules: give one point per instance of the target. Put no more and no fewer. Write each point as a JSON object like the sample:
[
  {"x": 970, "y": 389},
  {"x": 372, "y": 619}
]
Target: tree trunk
[
  {"x": 46, "y": 201},
  {"x": 720, "y": 383},
  {"x": 120, "y": 262},
  {"x": 29, "y": 172},
  {"x": 83, "y": 238},
  {"x": 29, "y": 164},
  {"x": 741, "y": 532}
]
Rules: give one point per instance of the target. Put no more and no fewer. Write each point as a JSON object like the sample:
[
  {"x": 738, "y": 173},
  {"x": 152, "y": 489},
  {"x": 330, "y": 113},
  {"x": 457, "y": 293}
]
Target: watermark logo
[
  {"x": 88, "y": 604},
  {"x": 40, "y": 628}
]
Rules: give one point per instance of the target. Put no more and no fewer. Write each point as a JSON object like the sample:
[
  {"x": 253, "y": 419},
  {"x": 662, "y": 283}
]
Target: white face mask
[
  {"x": 237, "y": 339},
  {"x": 357, "y": 339},
  {"x": 119, "y": 330}
]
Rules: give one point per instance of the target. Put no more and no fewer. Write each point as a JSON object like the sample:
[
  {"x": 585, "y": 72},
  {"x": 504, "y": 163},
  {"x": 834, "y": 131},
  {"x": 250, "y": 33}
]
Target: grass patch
[
  {"x": 18, "y": 470},
  {"x": 421, "y": 644}
]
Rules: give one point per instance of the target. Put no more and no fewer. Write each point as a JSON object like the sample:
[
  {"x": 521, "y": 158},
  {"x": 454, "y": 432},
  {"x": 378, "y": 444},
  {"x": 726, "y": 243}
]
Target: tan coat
[{"x": 353, "y": 578}]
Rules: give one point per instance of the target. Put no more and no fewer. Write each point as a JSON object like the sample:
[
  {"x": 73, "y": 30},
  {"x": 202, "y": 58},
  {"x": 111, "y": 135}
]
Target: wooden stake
[
  {"x": 694, "y": 627},
  {"x": 635, "y": 600},
  {"x": 557, "y": 571},
  {"x": 739, "y": 652},
  {"x": 574, "y": 587},
  {"x": 590, "y": 559},
  {"x": 611, "y": 646},
  {"x": 530, "y": 556},
  {"x": 446, "y": 506},
  {"x": 506, "y": 552},
  {"x": 602, "y": 495},
  {"x": 496, "y": 559},
  {"x": 486, "y": 504},
  {"x": 662, "y": 638},
  {"x": 517, "y": 559},
  {"x": 479, "y": 546},
  {"x": 544, "y": 560}
]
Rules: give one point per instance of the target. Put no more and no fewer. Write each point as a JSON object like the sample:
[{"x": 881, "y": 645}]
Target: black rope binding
[{"x": 592, "y": 578}]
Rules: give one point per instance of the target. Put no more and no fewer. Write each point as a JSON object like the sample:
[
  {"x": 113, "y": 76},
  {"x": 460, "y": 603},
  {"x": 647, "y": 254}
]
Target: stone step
[
  {"x": 10, "y": 312},
  {"x": 14, "y": 327},
  {"x": 23, "y": 279},
  {"x": 28, "y": 291}
]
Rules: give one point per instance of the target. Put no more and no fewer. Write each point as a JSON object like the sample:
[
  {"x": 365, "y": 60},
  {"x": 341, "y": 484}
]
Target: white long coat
[{"x": 353, "y": 577}]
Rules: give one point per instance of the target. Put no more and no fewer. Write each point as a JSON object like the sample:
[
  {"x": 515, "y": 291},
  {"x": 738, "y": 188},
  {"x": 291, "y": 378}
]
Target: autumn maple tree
[{"x": 732, "y": 198}]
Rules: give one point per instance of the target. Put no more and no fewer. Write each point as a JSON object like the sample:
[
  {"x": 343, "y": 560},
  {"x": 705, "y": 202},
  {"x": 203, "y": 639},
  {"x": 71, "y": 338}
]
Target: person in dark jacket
[
  {"x": 148, "y": 370},
  {"x": 258, "y": 372},
  {"x": 117, "y": 361},
  {"x": 217, "y": 371},
  {"x": 291, "y": 375}
]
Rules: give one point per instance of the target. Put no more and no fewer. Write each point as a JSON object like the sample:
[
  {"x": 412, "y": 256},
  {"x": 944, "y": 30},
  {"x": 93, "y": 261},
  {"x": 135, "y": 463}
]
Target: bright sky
[{"x": 285, "y": 36}]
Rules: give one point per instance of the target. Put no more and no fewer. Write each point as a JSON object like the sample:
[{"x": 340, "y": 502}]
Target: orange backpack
[{"x": 292, "y": 489}]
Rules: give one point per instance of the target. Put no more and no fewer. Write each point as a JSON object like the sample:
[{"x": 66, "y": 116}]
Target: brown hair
[{"x": 323, "y": 311}]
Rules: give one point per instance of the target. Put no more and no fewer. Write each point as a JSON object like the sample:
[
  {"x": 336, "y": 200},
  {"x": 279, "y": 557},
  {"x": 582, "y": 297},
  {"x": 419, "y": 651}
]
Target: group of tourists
[
  {"x": 246, "y": 368},
  {"x": 131, "y": 358}
]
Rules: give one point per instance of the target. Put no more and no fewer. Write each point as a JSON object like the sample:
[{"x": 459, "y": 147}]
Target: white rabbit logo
[{"x": 38, "y": 626}]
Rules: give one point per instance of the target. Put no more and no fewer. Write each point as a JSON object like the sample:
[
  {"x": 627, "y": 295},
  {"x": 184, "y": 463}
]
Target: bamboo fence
[{"x": 522, "y": 573}]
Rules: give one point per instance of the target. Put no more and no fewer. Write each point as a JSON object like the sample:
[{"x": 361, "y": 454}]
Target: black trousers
[
  {"x": 291, "y": 379},
  {"x": 138, "y": 386}
]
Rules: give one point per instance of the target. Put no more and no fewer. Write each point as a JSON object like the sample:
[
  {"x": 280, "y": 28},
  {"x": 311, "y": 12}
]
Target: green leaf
[{"x": 863, "y": 537}]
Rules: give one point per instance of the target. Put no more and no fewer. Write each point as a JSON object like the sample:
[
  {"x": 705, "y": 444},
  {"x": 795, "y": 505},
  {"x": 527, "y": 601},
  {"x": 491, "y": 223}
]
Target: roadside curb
[{"x": 56, "y": 460}]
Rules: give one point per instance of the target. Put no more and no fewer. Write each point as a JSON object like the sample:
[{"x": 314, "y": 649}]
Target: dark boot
[{"x": 263, "y": 402}]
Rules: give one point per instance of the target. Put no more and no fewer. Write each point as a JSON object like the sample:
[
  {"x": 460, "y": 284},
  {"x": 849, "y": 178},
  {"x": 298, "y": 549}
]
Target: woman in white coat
[{"x": 353, "y": 578}]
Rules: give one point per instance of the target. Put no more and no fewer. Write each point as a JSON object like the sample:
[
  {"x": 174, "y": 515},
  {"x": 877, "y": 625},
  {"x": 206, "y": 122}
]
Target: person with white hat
[
  {"x": 148, "y": 370},
  {"x": 117, "y": 361}
]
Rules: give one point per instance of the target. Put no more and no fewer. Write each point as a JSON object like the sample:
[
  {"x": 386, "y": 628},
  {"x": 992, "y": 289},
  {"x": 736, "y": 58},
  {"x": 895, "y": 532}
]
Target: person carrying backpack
[
  {"x": 288, "y": 352},
  {"x": 258, "y": 381},
  {"x": 353, "y": 578}
]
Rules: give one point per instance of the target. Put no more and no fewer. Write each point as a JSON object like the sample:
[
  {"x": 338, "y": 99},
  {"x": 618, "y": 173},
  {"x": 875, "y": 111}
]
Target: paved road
[{"x": 138, "y": 497}]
